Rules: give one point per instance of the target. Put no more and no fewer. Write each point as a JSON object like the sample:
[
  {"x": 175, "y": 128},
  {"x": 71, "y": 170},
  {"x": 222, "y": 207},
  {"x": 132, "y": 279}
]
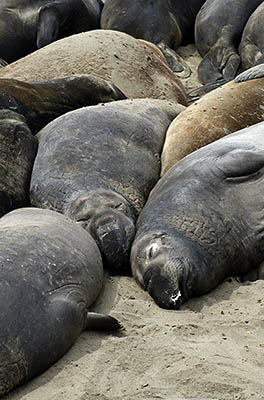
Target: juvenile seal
[
  {"x": 251, "y": 48},
  {"x": 227, "y": 109},
  {"x": 144, "y": 19},
  {"x": 135, "y": 67},
  {"x": 51, "y": 272},
  {"x": 18, "y": 149},
  {"x": 218, "y": 29},
  {"x": 26, "y": 25},
  {"x": 42, "y": 101},
  {"x": 203, "y": 221},
  {"x": 98, "y": 164}
]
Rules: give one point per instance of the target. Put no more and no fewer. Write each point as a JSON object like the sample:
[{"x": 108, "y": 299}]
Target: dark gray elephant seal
[
  {"x": 251, "y": 48},
  {"x": 98, "y": 165},
  {"x": 18, "y": 148},
  {"x": 144, "y": 19},
  {"x": 51, "y": 272},
  {"x": 42, "y": 101},
  {"x": 218, "y": 29},
  {"x": 203, "y": 221},
  {"x": 26, "y": 25}
]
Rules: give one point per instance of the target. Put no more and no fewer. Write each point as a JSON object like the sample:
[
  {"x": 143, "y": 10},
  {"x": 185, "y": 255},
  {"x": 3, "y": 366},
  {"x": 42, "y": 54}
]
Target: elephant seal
[
  {"x": 251, "y": 48},
  {"x": 203, "y": 221},
  {"x": 139, "y": 70},
  {"x": 51, "y": 272},
  {"x": 18, "y": 148},
  {"x": 98, "y": 164},
  {"x": 218, "y": 29},
  {"x": 144, "y": 19},
  {"x": 26, "y": 25},
  {"x": 42, "y": 101},
  {"x": 231, "y": 107}
]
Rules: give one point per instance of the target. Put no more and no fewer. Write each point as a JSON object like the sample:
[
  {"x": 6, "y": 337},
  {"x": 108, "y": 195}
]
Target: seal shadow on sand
[{"x": 87, "y": 342}]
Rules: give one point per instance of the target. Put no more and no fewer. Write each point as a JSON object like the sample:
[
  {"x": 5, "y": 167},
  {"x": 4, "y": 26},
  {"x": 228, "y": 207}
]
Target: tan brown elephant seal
[
  {"x": 134, "y": 67},
  {"x": 227, "y": 109}
]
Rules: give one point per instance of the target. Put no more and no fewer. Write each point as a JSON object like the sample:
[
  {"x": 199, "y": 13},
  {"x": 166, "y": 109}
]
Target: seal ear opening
[{"x": 48, "y": 27}]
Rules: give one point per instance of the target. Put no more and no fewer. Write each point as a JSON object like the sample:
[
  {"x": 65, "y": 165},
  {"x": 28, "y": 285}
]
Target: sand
[{"x": 213, "y": 347}]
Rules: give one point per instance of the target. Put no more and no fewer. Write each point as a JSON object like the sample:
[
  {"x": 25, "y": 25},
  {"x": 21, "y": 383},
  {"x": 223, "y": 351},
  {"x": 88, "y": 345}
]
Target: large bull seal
[
  {"x": 203, "y": 221},
  {"x": 227, "y": 109},
  {"x": 42, "y": 101},
  {"x": 251, "y": 48},
  {"x": 218, "y": 29},
  {"x": 18, "y": 148},
  {"x": 98, "y": 165},
  {"x": 144, "y": 19},
  {"x": 138, "y": 69},
  {"x": 51, "y": 272},
  {"x": 26, "y": 25}
]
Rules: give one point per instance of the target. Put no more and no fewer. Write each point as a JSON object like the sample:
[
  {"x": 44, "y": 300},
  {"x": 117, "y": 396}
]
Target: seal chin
[{"x": 113, "y": 233}]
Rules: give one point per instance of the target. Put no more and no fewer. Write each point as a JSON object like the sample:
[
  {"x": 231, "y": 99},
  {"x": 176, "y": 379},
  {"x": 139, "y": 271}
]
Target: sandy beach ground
[{"x": 213, "y": 347}]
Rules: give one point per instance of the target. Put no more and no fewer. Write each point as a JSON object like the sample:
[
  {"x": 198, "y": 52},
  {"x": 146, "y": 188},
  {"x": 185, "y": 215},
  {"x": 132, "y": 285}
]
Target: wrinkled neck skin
[
  {"x": 162, "y": 266},
  {"x": 110, "y": 219}
]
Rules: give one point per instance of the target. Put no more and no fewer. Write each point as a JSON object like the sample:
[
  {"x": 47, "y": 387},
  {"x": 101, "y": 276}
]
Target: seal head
[{"x": 109, "y": 218}]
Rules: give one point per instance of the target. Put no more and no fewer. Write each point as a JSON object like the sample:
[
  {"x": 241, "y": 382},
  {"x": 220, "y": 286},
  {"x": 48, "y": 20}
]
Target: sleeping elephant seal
[
  {"x": 218, "y": 29},
  {"x": 26, "y": 25},
  {"x": 18, "y": 148},
  {"x": 227, "y": 109},
  {"x": 203, "y": 221},
  {"x": 144, "y": 19},
  {"x": 42, "y": 101},
  {"x": 138, "y": 69},
  {"x": 51, "y": 272},
  {"x": 98, "y": 165},
  {"x": 251, "y": 48}
]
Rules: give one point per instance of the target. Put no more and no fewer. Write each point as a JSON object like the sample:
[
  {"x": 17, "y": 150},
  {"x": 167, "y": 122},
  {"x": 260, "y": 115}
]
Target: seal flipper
[
  {"x": 3, "y": 63},
  {"x": 252, "y": 73},
  {"x": 174, "y": 61},
  {"x": 96, "y": 321},
  {"x": 48, "y": 27},
  {"x": 240, "y": 164}
]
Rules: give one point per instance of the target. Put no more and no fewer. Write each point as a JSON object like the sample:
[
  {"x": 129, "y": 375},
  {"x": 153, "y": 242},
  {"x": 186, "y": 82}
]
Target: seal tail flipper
[
  {"x": 100, "y": 322},
  {"x": 48, "y": 27},
  {"x": 252, "y": 73}
]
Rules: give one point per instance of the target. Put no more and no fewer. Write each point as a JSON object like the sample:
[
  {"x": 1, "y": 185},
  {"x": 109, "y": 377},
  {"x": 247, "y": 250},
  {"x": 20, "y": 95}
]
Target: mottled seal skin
[
  {"x": 18, "y": 149},
  {"x": 251, "y": 48},
  {"x": 138, "y": 69},
  {"x": 98, "y": 164},
  {"x": 227, "y": 109},
  {"x": 203, "y": 221},
  {"x": 218, "y": 29},
  {"x": 144, "y": 19},
  {"x": 42, "y": 101},
  {"x": 26, "y": 25},
  {"x": 51, "y": 272}
]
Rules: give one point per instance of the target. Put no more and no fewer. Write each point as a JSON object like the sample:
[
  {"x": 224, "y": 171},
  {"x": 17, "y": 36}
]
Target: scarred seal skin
[
  {"x": 218, "y": 29},
  {"x": 203, "y": 221},
  {"x": 251, "y": 48},
  {"x": 42, "y": 101},
  {"x": 137, "y": 69},
  {"x": 18, "y": 148},
  {"x": 51, "y": 272},
  {"x": 26, "y": 25},
  {"x": 233, "y": 106},
  {"x": 144, "y": 19},
  {"x": 98, "y": 164}
]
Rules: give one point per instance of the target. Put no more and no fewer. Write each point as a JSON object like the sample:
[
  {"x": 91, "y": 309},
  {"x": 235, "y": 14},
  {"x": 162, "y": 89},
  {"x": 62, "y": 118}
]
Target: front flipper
[
  {"x": 174, "y": 61},
  {"x": 195, "y": 94},
  {"x": 100, "y": 322},
  {"x": 254, "y": 274},
  {"x": 3, "y": 63},
  {"x": 252, "y": 73},
  {"x": 49, "y": 24},
  {"x": 241, "y": 165}
]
